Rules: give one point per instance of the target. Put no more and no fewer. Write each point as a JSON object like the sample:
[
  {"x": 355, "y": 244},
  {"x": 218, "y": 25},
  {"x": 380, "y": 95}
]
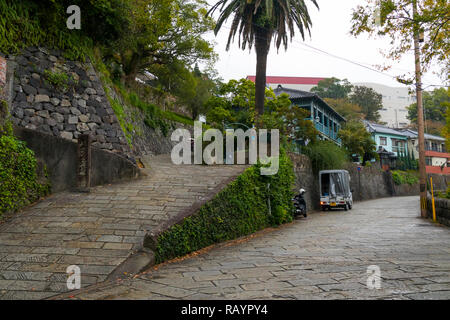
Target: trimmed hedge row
[{"x": 240, "y": 209}]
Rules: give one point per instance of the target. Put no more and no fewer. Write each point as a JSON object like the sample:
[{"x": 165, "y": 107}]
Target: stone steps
[{"x": 97, "y": 231}]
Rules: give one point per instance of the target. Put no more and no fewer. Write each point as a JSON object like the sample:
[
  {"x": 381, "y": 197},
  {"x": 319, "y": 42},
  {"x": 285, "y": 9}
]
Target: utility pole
[{"x": 420, "y": 122}]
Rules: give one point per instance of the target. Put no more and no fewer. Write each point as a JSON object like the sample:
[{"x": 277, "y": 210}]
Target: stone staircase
[{"x": 98, "y": 231}]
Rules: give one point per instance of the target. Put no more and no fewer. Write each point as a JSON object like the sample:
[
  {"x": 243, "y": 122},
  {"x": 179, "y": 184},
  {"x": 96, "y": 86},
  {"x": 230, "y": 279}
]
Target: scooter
[{"x": 300, "y": 203}]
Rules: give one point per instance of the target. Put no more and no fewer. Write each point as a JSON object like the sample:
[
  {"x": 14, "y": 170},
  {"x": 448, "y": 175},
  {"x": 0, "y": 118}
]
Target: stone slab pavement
[
  {"x": 325, "y": 256},
  {"x": 96, "y": 231}
]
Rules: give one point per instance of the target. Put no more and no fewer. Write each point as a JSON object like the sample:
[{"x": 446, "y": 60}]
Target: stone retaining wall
[
  {"x": 442, "y": 210},
  {"x": 2, "y": 72},
  {"x": 63, "y": 98},
  {"x": 307, "y": 180}
]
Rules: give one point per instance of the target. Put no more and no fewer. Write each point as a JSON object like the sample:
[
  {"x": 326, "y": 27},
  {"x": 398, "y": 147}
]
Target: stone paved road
[
  {"x": 95, "y": 231},
  {"x": 323, "y": 257}
]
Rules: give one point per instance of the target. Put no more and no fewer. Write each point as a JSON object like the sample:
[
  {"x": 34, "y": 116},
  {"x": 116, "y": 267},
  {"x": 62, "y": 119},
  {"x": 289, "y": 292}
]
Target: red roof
[
  {"x": 437, "y": 154},
  {"x": 289, "y": 80},
  {"x": 435, "y": 169}
]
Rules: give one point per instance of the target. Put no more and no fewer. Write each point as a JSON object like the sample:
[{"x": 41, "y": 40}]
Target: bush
[
  {"x": 404, "y": 177},
  {"x": 325, "y": 155},
  {"x": 445, "y": 195},
  {"x": 19, "y": 183},
  {"x": 238, "y": 210},
  {"x": 26, "y": 23}
]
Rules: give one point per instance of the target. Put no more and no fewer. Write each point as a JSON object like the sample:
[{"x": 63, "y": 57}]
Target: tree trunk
[
  {"x": 262, "y": 44},
  {"x": 131, "y": 69}
]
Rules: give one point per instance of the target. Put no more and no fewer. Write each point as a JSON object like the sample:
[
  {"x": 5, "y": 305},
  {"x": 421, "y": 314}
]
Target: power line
[{"x": 347, "y": 60}]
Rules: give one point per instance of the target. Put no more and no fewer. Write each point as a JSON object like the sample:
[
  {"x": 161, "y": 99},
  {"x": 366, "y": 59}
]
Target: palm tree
[{"x": 257, "y": 22}]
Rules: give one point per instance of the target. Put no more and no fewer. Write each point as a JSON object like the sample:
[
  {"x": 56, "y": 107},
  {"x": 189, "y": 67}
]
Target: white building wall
[
  {"x": 395, "y": 102},
  {"x": 437, "y": 162}
]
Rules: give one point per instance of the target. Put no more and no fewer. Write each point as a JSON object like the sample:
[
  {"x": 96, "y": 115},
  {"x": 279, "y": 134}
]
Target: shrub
[
  {"x": 19, "y": 183},
  {"x": 445, "y": 195},
  {"x": 59, "y": 80},
  {"x": 325, "y": 155},
  {"x": 33, "y": 23},
  {"x": 239, "y": 209},
  {"x": 404, "y": 177}
]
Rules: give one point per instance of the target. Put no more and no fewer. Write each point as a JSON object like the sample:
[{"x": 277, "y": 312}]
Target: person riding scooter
[{"x": 299, "y": 203}]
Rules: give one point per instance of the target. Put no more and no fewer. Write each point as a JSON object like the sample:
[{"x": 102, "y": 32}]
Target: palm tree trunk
[{"x": 262, "y": 44}]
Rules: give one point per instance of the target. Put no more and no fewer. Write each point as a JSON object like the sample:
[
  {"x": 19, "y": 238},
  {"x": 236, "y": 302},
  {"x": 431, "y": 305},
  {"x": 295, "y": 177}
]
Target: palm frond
[{"x": 279, "y": 17}]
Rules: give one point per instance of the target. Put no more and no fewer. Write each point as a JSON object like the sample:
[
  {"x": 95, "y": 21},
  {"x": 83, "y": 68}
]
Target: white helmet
[{"x": 302, "y": 191}]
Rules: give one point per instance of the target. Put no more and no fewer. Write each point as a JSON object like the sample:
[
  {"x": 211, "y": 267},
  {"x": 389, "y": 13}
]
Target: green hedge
[
  {"x": 404, "y": 177},
  {"x": 19, "y": 181},
  {"x": 238, "y": 210}
]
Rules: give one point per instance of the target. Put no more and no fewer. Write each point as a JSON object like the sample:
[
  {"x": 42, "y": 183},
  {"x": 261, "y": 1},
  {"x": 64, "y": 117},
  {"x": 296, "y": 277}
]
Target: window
[
  {"x": 383, "y": 141},
  {"x": 428, "y": 161}
]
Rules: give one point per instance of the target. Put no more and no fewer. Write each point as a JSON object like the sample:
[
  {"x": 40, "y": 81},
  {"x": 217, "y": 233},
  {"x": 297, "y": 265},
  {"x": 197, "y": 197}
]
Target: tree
[
  {"x": 446, "y": 130},
  {"x": 163, "y": 35},
  {"x": 345, "y": 108},
  {"x": 325, "y": 155},
  {"x": 333, "y": 88},
  {"x": 395, "y": 19},
  {"x": 235, "y": 103},
  {"x": 195, "y": 91},
  {"x": 369, "y": 100},
  {"x": 357, "y": 140},
  {"x": 408, "y": 23},
  {"x": 290, "y": 120},
  {"x": 434, "y": 105},
  {"x": 257, "y": 23}
]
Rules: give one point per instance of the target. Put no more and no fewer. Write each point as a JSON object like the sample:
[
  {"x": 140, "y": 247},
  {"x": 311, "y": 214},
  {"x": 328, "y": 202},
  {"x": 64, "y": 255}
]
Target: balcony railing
[
  {"x": 437, "y": 149},
  {"x": 397, "y": 149}
]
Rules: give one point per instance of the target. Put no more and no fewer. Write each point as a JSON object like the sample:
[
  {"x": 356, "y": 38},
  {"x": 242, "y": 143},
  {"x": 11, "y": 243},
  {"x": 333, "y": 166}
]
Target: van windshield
[{"x": 332, "y": 184}]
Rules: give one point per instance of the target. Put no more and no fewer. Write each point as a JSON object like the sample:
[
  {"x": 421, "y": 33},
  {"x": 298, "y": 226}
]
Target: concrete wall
[
  {"x": 442, "y": 210},
  {"x": 60, "y": 157}
]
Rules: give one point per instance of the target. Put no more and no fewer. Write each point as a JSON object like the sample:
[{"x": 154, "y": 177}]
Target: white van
[{"x": 335, "y": 189}]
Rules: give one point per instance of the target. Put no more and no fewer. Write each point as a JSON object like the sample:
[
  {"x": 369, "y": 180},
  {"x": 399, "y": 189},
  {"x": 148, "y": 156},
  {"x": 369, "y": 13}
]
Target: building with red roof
[{"x": 296, "y": 83}]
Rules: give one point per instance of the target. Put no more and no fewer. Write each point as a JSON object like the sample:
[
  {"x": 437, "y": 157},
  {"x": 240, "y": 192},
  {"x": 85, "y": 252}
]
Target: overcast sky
[{"x": 330, "y": 32}]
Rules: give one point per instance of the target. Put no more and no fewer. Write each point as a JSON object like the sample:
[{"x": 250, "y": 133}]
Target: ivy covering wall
[{"x": 238, "y": 210}]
